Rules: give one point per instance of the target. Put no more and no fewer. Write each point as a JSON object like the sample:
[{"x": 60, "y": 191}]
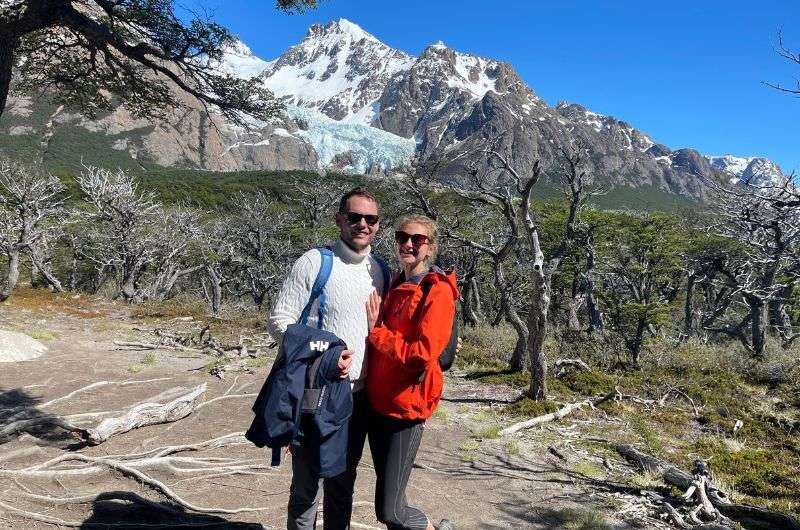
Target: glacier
[{"x": 369, "y": 147}]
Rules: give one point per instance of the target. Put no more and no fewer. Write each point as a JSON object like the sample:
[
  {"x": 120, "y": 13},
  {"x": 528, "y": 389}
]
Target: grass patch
[
  {"x": 216, "y": 363},
  {"x": 491, "y": 432},
  {"x": 149, "y": 359},
  {"x": 262, "y": 361},
  {"x": 45, "y": 301},
  {"x": 469, "y": 445},
  {"x": 135, "y": 368},
  {"x": 502, "y": 377},
  {"x": 571, "y": 519},
  {"x": 588, "y": 469},
  {"x": 648, "y": 436},
  {"x": 527, "y": 407},
  {"x": 440, "y": 413},
  {"x": 646, "y": 481},
  {"x": 41, "y": 334}
]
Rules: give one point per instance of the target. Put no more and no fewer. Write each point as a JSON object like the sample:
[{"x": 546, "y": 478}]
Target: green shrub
[
  {"x": 486, "y": 346},
  {"x": 529, "y": 408},
  {"x": 589, "y": 382}
]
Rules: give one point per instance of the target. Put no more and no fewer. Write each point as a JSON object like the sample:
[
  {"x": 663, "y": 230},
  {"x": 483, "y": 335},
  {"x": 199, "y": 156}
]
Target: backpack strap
[
  {"x": 318, "y": 290},
  {"x": 387, "y": 275}
]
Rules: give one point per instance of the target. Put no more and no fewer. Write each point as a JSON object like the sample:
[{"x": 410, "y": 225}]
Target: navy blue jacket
[{"x": 286, "y": 411}]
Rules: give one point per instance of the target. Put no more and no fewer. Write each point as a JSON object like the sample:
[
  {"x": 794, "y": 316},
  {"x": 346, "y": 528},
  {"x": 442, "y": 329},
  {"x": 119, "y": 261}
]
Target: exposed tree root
[
  {"x": 129, "y": 469},
  {"x": 709, "y": 497},
  {"x": 99, "y": 384},
  {"x": 147, "y": 414}
]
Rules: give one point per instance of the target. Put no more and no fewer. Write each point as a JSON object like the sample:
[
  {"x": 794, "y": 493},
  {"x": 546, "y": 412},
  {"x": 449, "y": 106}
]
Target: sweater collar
[{"x": 347, "y": 254}]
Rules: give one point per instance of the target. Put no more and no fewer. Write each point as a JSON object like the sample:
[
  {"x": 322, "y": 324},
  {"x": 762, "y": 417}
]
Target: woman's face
[{"x": 412, "y": 245}]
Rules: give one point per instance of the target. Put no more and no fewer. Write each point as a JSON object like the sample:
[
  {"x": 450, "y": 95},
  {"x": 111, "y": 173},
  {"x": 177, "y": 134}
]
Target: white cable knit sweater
[{"x": 353, "y": 277}]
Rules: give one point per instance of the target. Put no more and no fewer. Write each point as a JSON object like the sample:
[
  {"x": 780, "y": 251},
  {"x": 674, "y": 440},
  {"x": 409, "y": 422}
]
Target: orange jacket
[{"x": 407, "y": 345}]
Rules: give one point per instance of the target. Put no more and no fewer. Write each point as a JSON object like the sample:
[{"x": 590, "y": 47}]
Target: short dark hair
[{"x": 360, "y": 191}]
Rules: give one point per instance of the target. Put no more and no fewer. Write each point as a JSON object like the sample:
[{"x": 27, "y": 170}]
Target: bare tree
[
  {"x": 32, "y": 214},
  {"x": 178, "y": 254},
  {"x": 502, "y": 195},
  {"x": 764, "y": 221},
  {"x": 791, "y": 56},
  {"x": 574, "y": 181},
  {"x": 123, "y": 226},
  {"x": 315, "y": 203},
  {"x": 263, "y": 240}
]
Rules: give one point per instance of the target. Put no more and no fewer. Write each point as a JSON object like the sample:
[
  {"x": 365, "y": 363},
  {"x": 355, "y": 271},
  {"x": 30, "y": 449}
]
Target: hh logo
[{"x": 318, "y": 345}]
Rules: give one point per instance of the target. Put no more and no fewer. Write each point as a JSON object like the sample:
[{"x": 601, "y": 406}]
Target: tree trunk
[
  {"x": 573, "y": 306},
  {"x": 688, "y": 308},
  {"x": 216, "y": 289},
  {"x": 537, "y": 324},
  {"x": 12, "y": 275},
  {"x": 471, "y": 303},
  {"x": 46, "y": 271},
  {"x": 592, "y": 306},
  {"x": 758, "y": 326},
  {"x": 8, "y": 46},
  {"x": 518, "y": 358},
  {"x": 778, "y": 317}
]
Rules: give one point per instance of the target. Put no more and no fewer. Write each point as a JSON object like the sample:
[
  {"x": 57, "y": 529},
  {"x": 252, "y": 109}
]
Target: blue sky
[{"x": 688, "y": 73}]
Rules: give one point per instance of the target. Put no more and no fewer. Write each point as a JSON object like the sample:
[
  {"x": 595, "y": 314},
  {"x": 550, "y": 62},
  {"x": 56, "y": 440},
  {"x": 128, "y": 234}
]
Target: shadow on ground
[
  {"x": 125, "y": 509},
  {"x": 19, "y": 414}
]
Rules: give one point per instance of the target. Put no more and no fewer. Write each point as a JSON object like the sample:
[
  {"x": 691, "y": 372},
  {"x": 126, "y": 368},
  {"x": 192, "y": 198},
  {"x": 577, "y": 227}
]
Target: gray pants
[{"x": 337, "y": 503}]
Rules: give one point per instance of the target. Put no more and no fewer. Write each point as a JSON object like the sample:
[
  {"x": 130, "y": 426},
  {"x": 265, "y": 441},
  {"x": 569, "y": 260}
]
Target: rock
[{"x": 19, "y": 347}]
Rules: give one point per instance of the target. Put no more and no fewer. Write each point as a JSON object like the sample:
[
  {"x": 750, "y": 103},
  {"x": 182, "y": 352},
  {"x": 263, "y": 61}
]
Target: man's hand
[
  {"x": 373, "y": 309},
  {"x": 459, "y": 344},
  {"x": 345, "y": 360}
]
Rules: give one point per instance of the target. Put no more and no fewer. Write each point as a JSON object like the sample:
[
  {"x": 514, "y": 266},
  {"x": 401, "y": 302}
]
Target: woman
[{"x": 404, "y": 380}]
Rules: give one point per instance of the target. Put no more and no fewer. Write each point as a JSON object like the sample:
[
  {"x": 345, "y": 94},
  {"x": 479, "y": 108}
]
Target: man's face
[{"x": 357, "y": 233}]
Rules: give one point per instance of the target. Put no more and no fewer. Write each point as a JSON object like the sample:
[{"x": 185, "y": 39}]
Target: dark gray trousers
[
  {"x": 394, "y": 444},
  {"x": 337, "y": 501}
]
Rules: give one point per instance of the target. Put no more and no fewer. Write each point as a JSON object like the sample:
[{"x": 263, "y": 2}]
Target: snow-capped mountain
[
  {"x": 339, "y": 69},
  {"x": 355, "y": 104},
  {"x": 756, "y": 171},
  {"x": 238, "y": 60}
]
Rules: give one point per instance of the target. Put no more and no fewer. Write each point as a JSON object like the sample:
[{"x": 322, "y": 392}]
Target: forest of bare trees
[{"x": 559, "y": 267}]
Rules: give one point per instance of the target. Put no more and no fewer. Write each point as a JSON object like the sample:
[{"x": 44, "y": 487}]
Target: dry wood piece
[
  {"x": 682, "y": 394},
  {"x": 151, "y": 346},
  {"x": 560, "y": 413},
  {"x": 562, "y": 365},
  {"x": 749, "y": 516},
  {"x": 147, "y": 414}
]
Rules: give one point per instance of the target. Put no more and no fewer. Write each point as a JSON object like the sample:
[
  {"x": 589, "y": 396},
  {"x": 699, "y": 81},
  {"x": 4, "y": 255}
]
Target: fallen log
[
  {"x": 147, "y": 414},
  {"x": 557, "y": 415},
  {"x": 753, "y": 517}
]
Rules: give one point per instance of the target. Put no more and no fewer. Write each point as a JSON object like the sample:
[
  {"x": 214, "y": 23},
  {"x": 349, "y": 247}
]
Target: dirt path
[{"x": 491, "y": 483}]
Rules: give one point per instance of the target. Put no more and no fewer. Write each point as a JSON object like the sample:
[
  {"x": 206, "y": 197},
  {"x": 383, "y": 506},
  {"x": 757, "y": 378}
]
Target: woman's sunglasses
[
  {"x": 354, "y": 218},
  {"x": 416, "y": 239}
]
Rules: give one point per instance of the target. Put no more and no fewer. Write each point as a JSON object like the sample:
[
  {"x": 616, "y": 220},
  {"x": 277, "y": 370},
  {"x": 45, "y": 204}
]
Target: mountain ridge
[{"x": 357, "y": 105}]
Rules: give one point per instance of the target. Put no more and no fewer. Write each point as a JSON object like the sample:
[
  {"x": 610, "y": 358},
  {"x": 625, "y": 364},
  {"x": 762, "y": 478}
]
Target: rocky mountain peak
[{"x": 339, "y": 29}]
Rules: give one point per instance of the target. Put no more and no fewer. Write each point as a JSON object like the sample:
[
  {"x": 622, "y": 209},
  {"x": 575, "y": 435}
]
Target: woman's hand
[{"x": 373, "y": 309}]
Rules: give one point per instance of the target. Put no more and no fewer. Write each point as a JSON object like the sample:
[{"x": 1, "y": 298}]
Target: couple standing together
[{"x": 392, "y": 359}]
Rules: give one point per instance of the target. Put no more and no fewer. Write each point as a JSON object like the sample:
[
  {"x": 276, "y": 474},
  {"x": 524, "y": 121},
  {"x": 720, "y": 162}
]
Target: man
[{"x": 354, "y": 276}]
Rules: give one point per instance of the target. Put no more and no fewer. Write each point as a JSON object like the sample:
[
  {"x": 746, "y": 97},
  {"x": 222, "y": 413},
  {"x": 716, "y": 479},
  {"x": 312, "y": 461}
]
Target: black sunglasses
[
  {"x": 416, "y": 239},
  {"x": 355, "y": 218}
]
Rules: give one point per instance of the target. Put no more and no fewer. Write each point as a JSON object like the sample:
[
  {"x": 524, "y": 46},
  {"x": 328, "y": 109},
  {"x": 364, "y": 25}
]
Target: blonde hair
[{"x": 430, "y": 225}]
